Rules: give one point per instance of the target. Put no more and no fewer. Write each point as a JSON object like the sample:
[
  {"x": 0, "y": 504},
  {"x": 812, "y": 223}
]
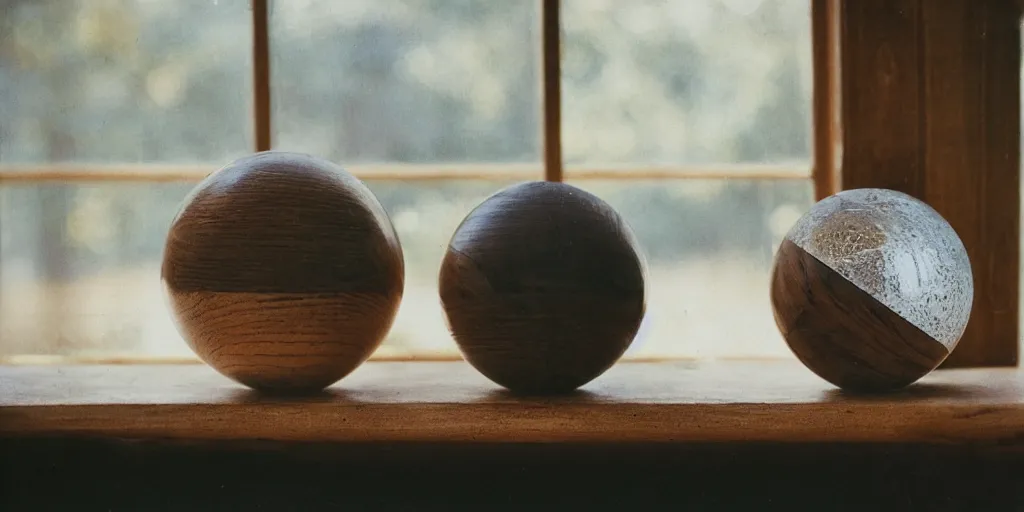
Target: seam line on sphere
[{"x": 872, "y": 297}]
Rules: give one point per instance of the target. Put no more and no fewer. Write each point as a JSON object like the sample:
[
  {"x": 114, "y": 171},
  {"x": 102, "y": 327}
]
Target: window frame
[{"x": 849, "y": 110}]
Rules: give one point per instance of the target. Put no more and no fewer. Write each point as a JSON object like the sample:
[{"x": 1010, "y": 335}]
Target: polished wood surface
[
  {"x": 841, "y": 332},
  {"x": 930, "y": 107},
  {"x": 675, "y": 402},
  {"x": 542, "y": 287},
  {"x": 283, "y": 271}
]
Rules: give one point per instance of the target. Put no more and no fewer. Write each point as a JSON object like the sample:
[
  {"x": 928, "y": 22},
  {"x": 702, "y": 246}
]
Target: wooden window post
[
  {"x": 551, "y": 56},
  {"x": 261, "y": 73},
  {"x": 930, "y": 105}
]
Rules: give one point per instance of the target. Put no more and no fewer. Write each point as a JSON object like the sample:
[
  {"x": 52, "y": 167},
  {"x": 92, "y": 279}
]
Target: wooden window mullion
[
  {"x": 261, "y": 74},
  {"x": 824, "y": 46},
  {"x": 552, "y": 89}
]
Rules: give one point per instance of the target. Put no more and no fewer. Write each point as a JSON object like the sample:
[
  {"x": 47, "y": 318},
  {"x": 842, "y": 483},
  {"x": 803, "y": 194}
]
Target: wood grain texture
[
  {"x": 825, "y": 65},
  {"x": 283, "y": 271},
  {"x": 971, "y": 78},
  {"x": 881, "y": 95},
  {"x": 930, "y": 106},
  {"x": 542, "y": 287},
  {"x": 268, "y": 340},
  {"x": 449, "y": 402},
  {"x": 841, "y": 332}
]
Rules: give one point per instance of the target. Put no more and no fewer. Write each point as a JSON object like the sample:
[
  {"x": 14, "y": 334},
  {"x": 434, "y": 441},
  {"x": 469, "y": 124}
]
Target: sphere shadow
[
  {"x": 918, "y": 391},
  {"x": 252, "y": 396},
  {"x": 578, "y": 396}
]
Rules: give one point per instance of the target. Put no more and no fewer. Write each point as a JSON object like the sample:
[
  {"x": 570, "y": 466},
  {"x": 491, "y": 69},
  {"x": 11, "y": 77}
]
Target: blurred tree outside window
[{"x": 412, "y": 82}]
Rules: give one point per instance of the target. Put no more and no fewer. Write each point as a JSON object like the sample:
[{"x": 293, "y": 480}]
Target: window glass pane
[
  {"x": 687, "y": 82},
  {"x": 709, "y": 247},
  {"x": 418, "y": 81},
  {"x": 677, "y": 82},
  {"x": 80, "y": 266},
  {"x": 80, "y": 269},
  {"x": 425, "y": 214},
  {"x": 125, "y": 81}
]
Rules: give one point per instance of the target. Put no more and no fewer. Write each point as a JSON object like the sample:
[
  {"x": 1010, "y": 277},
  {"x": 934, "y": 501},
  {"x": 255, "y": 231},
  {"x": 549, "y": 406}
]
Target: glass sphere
[{"x": 900, "y": 253}]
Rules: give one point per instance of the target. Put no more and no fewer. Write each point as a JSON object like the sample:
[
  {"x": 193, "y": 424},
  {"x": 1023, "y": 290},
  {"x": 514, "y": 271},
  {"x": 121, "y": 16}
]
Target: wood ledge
[{"x": 683, "y": 402}]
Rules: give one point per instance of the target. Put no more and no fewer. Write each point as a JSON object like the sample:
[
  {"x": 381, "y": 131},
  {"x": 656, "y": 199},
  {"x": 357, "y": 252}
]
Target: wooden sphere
[
  {"x": 872, "y": 289},
  {"x": 283, "y": 272},
  {"x": 542, "y": 287}
]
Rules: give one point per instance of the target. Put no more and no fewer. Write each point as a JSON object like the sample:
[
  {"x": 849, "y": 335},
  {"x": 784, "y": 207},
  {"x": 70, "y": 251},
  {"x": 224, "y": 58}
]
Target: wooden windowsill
[{"x": 448, "y": 401}]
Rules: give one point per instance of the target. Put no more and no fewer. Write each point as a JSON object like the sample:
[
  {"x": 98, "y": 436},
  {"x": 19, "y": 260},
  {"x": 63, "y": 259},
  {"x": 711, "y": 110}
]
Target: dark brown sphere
[
  {"x": 872, "y": 289},
  {"x": 283, "y": 272},
  {"x": 543, "y": 287}
]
